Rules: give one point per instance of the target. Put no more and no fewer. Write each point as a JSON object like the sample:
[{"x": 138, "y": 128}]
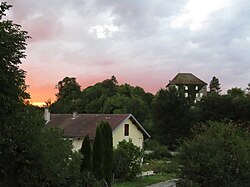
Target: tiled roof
[
  {"x": 86, "y": 124},
  {"x": 186, "y": 78}
]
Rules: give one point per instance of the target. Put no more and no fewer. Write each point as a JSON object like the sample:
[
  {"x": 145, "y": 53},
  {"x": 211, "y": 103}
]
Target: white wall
[
  {"x": 77, "y": 144},
  {"x": 118, "y": 135},
  {"x": 134, "y": 134}
]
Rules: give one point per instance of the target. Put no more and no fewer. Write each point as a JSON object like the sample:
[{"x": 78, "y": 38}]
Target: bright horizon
[{"x": 142, "y": 43}]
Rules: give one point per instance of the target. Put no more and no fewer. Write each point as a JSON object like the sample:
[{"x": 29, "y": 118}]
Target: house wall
[
  {"x": 118, "y": 135},
  {"x": 77, "y": 143},
  {"x": 134, "y": 134}
]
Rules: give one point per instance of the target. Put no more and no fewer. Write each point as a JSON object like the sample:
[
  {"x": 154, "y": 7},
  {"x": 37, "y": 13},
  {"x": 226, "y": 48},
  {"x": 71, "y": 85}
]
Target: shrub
[
  {"x": 218, "y": 155},
  {"x": 158, "y": 151},
  {"x": 127, "y": 160}
]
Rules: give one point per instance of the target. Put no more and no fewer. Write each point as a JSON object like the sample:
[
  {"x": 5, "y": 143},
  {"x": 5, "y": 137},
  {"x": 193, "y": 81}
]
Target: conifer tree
[
  {"x": 108, "y": 152},
  {"x": 87, "y": 154},
  {"x": 214, "y": 85},
  {"x": 98, "y": 155}
]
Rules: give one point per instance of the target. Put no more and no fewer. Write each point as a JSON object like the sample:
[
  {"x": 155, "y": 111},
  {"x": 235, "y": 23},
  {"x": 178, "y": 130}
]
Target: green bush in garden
[{"x": 218, "y": 155}]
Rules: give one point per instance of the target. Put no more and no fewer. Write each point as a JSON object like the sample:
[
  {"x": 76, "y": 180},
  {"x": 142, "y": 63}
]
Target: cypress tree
[
  {"x": 98, "y": 155},
  {"x": 108, "y": 152},
  {"x": 87, "y": 153}
]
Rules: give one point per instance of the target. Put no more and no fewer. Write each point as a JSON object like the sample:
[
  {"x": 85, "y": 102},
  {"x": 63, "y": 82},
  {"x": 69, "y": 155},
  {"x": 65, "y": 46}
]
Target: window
[
  {"x": 201, "y": 94},
  {"x": 176, "y": 87},
  {"x": 126, "y": 130},
  {"x": 186, "y": 87},
  {"x": 197, "y": 95},
  {"x": 186, "y": 94},
  {"x": 196, "y": 87}
]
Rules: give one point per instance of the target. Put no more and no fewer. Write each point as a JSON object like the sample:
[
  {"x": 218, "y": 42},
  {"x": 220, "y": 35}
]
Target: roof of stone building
[
  {"x": 186, "y": 78},
  {"x": 86, "y": 124}
]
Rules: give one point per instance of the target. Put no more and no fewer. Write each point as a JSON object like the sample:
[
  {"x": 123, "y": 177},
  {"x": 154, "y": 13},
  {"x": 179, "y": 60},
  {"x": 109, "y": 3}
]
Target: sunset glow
[{"x": 142, "y": 43}]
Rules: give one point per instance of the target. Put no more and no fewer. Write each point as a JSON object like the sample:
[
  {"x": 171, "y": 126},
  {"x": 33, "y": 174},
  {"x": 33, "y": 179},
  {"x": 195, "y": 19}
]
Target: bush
[
  {"x": 161, "y": 166},
  {"x": 218, "y": 155},
  {"x": 127, "y": 160},
  {"x": 158, "y": 151}
]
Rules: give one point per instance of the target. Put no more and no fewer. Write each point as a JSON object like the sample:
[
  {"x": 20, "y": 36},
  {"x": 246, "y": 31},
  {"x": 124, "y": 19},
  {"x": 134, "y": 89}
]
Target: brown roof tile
[
  {"x": 186, "y": 78},
  {"x": 85, "y": 124}
]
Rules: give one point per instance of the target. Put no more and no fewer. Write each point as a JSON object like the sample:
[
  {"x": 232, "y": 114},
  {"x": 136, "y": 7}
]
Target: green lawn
[{"x": 147, "y": 180}]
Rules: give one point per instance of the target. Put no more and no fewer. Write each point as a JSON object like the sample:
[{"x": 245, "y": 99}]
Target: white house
[{"x": 75, "y": 127}]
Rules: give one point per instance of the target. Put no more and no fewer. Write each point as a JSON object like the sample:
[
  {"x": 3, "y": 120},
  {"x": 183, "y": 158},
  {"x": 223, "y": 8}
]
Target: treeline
[
  {"x": 168, "y": 116},
  {"x": 104, "y": 97}
]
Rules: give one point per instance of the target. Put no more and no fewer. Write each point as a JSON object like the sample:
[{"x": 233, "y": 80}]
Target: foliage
[
  {"x": 56, "y": 156},
  {"x": 108, "y": 152},
  {"x": 220, "y": 107},
  {"x": 161, "y": 166},
  {"x": 73, "y": 177},
  {"x": 98, "y": 151},
  {"x": 67, "y": 97},
  {"x": 171, "y": 116},
  {"x": 19, "y": 125},
  {"x": 214, "y": 85},
  {"x": 157, "y": 151},
  {"x": 103, "y": 97},
  {"x": 86, "y": 152},
  {"x": 218, "y": 155},
  {"x": 236, "y": 92},
  {"x": 127, "y": 160}
]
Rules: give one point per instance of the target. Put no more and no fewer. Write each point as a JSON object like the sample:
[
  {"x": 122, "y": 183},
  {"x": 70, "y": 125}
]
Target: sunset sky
[{"x": 141, "y": 42}]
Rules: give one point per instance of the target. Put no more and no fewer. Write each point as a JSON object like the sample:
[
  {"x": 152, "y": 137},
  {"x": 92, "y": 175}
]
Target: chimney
[
  {"x": 47, "y": 115},
  {"x": 75, "y": 115}
]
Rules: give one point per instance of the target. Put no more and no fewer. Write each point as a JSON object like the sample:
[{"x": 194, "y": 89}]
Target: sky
[{"x": 144, "y": 43}]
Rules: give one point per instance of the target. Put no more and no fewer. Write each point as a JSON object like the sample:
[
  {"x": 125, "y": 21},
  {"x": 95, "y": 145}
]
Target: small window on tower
[
  {"x": 196, "y": 87},
  {"x": 186, "y": 87},
  {"x": 186, "y": 94},
  {"x": 126, "y": 130}
]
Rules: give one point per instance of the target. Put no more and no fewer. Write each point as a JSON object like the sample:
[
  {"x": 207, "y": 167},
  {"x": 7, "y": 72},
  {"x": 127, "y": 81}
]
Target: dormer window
[
  {"x": 126, "y": 130},
  {"x": 186, "y": 87}
]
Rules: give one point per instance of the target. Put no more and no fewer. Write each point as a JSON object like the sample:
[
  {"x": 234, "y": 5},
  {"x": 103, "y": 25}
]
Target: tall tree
[
  {"x": 214, "y": 85},
  {"x": 13, "y": 129},
  {"x": 67, "y": 97},
  {"x": 171, "y": 116},
  {"x": 108, "y": 152},
  {"x": 97, "y": 162},
  {"x": 87, "y": 155},
  {"x": 68, "y": 88}
]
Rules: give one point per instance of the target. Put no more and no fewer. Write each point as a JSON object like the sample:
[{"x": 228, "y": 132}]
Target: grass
[{"x": 147, "y": 180}]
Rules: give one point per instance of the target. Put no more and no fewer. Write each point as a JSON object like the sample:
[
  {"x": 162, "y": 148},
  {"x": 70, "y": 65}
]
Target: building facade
[{"x": 193, "y": 87}]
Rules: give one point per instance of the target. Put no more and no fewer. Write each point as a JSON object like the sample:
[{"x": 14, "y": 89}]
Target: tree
[
  {"x": 87, "y": 155},
  {"x": 216, "y": 107},
  {"x": 218, "y": 155},
  {"x": 17, "y": 127},
  {"x": 68, "y": 96},
  {"x": 68, "y": 88},
  {"x": 127, "y": 160},
  {"x": 108, "y": 152},
  {"x": 236, "y": 92},
  {"x": 214, "y": 85},
  {"x": 55, "y": 156},
  {"x": 98, "y": 155},
  {"x": 171, "y": 116}
]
